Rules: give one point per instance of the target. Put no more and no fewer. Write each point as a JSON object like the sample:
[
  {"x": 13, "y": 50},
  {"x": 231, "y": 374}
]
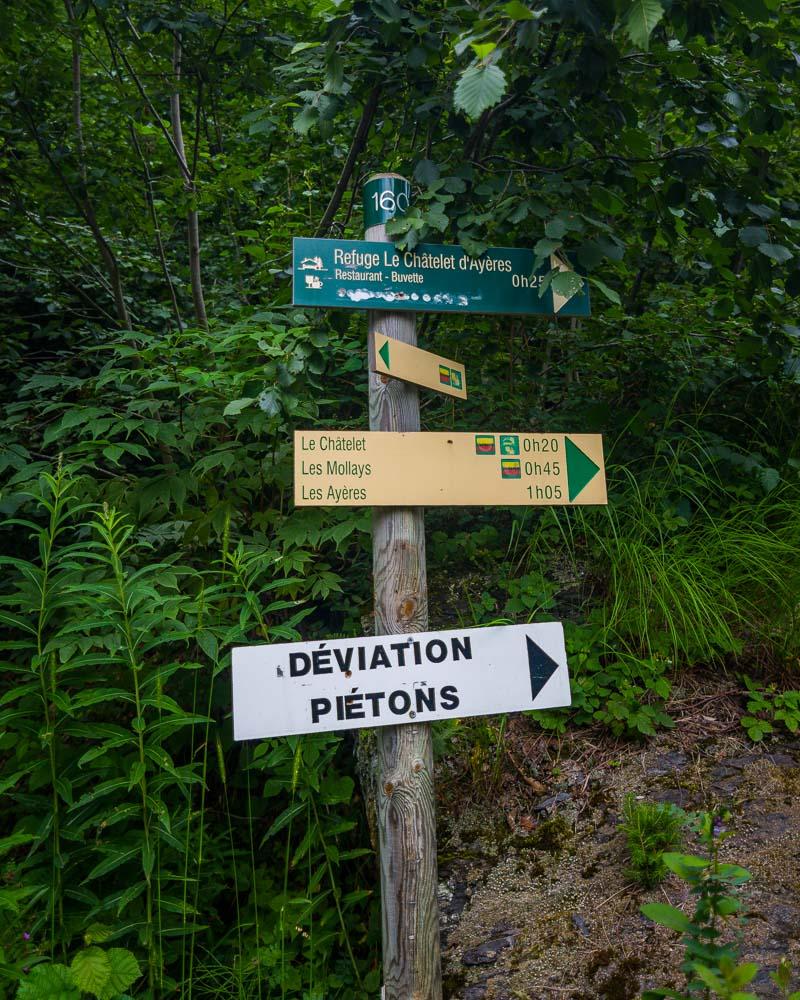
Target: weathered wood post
[{"x": 405, "y": 793}]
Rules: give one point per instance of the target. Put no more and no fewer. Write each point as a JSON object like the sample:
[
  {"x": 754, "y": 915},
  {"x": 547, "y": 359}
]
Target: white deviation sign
[{"x": 314, "y": 687}]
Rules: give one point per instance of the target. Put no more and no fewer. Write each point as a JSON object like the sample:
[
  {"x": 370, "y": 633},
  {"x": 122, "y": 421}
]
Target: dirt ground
[{"x": 534, "y": 896}]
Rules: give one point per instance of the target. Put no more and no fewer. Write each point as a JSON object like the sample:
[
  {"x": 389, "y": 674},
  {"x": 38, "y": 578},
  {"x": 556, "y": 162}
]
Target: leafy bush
[
  {"x": 626, "y": 693},
  {"x": 104, "y": 973},
  {"x": 766, "y": 705},
  {"x": 124, "y": 799}
]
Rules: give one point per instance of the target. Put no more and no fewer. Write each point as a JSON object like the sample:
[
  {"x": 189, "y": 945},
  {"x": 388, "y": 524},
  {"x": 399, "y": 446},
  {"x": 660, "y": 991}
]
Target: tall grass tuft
[{"x": 688, "y": 565}]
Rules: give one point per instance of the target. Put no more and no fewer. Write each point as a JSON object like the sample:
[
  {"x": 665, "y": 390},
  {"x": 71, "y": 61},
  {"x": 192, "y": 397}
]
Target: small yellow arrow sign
[{"x": 411, "y": 364}]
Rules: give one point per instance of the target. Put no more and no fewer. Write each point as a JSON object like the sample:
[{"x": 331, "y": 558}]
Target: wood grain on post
[{"x": 405, "y": 790}]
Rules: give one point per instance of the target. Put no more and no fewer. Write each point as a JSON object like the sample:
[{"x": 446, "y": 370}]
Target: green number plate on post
[{"x": 385, "y": 198}]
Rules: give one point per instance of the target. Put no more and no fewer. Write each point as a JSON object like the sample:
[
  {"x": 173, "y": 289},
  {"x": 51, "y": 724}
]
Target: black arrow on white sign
[{"x": 541, "y": 666}]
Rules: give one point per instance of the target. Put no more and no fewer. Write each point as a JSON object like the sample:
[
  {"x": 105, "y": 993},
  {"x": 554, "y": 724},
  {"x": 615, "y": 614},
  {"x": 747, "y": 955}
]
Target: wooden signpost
[
  {"x": 399, "y": 684},
  {"x": 399, "y": 360},
  {"x": 406, "y": 808}
]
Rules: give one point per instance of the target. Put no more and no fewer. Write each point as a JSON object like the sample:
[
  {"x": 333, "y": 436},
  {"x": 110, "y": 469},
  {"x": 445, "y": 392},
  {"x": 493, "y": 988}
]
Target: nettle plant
[
  {"x": 104, "y": 973},
  {"x": 711, "y": 945}
]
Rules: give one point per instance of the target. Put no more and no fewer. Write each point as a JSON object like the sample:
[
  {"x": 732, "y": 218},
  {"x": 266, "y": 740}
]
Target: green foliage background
[{"x": 154, "y": 370}]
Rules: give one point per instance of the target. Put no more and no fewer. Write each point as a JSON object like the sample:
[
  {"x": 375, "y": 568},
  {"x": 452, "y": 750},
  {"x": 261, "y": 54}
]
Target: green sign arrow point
[
  {"x": 580, "y": 469},
  {"x": 384, "y": 353}
]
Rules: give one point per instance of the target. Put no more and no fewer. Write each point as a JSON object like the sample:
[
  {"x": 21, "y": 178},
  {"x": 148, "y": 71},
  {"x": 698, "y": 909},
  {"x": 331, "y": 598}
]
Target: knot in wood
[
  {"x": 407, "y": 608},
  {"x": 417, "y": 766},
  {"x": 388, "y": 788}
]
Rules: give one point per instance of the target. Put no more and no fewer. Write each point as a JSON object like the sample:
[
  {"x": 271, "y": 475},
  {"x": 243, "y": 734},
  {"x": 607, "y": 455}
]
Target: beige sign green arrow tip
[
  {"x": 581, "y": 470},
  {"x": 411, "y": 364}
]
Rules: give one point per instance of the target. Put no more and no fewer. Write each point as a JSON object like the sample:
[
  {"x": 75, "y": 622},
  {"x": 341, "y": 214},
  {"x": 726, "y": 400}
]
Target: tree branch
[{"x": 359, "y": 140}]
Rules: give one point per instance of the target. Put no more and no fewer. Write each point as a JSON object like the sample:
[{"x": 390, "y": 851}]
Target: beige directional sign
[
  {"x": 430, "y": 469},
  {"x": 400, "y": 360}
]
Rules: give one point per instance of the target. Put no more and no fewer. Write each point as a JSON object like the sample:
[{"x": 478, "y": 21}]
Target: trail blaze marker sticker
[
  {"x": 310, "y": 687},
  {"x": 360, "y": 274},
  {"x": 403, "y": 361},
  {"x": 428, "y": 469}
]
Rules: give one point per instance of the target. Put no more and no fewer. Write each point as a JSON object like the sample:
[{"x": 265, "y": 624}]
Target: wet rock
[
  {"x": 677, "y": 796},
  {"x": 668, "y": 763},
  {"x": 739, "y": 763},
  {"x": 550, "y": 804},
  {"x": 580, "y": 925},
  {"x": 766, "y": 828},
  {"x": 477, "y": 991},
  {"x": 783, "y": 921},
  {"x": 486, "y": 953}
]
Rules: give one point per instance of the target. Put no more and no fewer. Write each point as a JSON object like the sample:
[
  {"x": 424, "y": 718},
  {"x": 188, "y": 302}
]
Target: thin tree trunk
[
  {"x": 84, "y": 201},
  {"x": 192, "y": 216},
  {"x": 151, "y": 206},
  {"x": 359, "y": 139}
]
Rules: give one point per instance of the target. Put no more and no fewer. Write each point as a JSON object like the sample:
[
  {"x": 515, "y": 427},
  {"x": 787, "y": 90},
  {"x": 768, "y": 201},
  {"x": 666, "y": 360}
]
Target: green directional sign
[{"x": 358, "y": 274}]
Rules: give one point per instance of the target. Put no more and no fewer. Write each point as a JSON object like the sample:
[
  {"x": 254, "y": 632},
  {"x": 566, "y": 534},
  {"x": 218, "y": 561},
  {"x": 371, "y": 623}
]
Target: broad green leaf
[
  {"x": 545, "y": 247},
  {"x": 752, "y": 236},
  {"x": 97, "y": 933},
  {"x": 237, "y": 405},
  {"x": 482, "y": 49},
  {"x": 14, "y": 840},
  {"x": 113, "y": 858},
  {"x": 426, "y": 172},
  {"x": 48, "y": 981},
  {"x": 337, "y": 789},
  {"x": 284, "y": 819},
  {"x": 734, "y": 874},
  {"x": 775, "y": 252},
  {"x": 517, "y": 11},
  {"x": 91, "y": 970},
  {"x": 667, "y": 916},
  {"x": 334, "y": 74},
  {"x": 124, "y": 972},
  {"x": 479, "y": 88},
  {"x": 641, "y": 19},
  {"x": 743, "y": 974},
  {"x": 555, "y": 228},
  {"x": 609, "y": 293},
  {"x": 709, "y": 978},
  {"x": 567, "y": 284},
  {"x": 679, "y": 863},
  {"x": 305, "y": 119}
]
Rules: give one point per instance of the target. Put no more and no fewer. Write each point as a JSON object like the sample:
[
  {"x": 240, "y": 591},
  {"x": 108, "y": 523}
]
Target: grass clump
[{"x": 651, "y": 828}]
